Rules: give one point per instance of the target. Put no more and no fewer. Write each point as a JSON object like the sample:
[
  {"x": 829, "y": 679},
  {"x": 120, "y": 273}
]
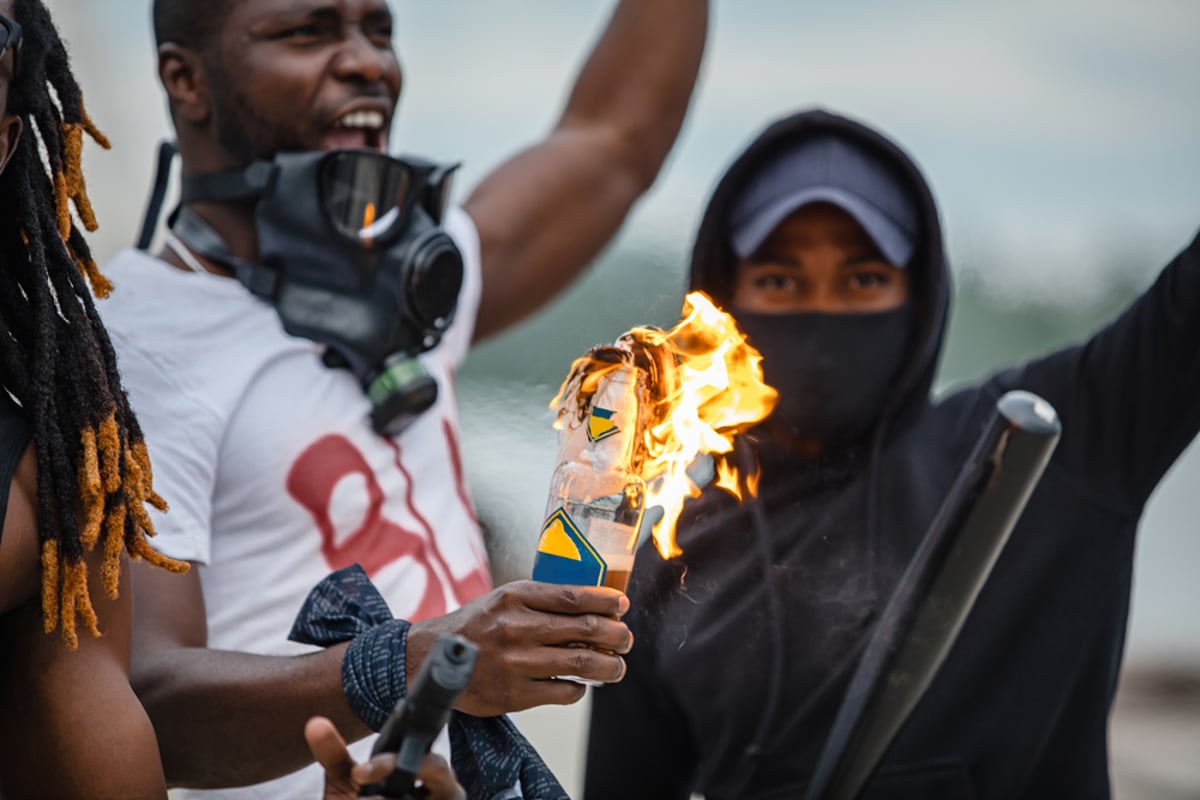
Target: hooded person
[{"x": 824, "y": 242}]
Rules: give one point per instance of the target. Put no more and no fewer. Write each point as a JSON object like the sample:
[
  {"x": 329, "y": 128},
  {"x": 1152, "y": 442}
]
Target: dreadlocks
[{"x": 55, "y": 356}]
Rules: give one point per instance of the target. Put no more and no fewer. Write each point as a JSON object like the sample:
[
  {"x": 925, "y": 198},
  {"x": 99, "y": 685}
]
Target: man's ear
[
  {"x": 181, "y": 72},
  {"x": 11, "y": 127}
]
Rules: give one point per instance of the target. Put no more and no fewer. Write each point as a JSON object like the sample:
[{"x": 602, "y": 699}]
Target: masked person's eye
[
  {"x": 869, "y": 280},
  {"x": 775, "y": 282}
]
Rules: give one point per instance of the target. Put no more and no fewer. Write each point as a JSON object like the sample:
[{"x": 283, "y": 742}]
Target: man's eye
[
  {"x": 869, "y": 280},
  {"x": 300, "y": 32}
]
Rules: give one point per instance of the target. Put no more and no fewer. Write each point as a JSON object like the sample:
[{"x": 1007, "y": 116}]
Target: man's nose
[{"x": 362, "y": 61}]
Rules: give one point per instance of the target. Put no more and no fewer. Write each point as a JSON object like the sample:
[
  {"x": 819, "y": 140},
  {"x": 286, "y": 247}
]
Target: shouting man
[{"x": 273, "y": 434}]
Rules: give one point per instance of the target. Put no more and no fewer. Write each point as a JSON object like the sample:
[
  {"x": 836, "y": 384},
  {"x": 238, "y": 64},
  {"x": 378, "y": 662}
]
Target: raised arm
[
  {"x": 546, "y": 213},
  {"x": 1129, "y": 397}
]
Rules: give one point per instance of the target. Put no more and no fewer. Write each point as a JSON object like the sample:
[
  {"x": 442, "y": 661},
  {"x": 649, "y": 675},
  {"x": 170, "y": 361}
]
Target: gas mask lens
[{"x": 366, "y": 195}]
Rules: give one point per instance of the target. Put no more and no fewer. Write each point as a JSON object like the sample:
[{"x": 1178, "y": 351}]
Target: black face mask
[
  {"x": 834, "y": 372},
  {"x": 351, "y": 255}
]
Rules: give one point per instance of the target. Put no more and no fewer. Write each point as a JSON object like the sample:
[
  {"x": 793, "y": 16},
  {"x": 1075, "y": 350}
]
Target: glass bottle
[{"x": 597, "y": 499}]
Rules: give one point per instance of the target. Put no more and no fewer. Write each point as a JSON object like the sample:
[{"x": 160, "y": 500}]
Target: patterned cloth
[{"x": 492, "y": 759}]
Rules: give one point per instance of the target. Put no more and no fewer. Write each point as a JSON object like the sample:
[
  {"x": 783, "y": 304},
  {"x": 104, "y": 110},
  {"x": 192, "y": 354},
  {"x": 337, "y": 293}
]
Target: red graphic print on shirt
[
  {"x": 377, "y": 541},
  {"x": 473, "y": 585}
]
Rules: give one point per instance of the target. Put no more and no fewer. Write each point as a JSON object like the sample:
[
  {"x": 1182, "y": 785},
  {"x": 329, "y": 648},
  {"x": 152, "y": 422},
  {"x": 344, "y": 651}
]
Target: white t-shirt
[{"x": 273, "y": 473}]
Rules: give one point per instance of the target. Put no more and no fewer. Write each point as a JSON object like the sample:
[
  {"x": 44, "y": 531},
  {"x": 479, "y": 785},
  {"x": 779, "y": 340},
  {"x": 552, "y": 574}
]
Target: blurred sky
[{"x": 1055, "y": 133}]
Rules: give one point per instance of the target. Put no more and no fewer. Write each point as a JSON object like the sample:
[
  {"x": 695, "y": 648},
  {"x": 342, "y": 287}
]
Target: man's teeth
[{"x": 369, "y": 120}]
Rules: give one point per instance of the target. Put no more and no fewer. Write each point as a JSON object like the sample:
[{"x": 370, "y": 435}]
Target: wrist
[
  {"x": 418, "y": 640},
  {"x": 374, "y": 672}
]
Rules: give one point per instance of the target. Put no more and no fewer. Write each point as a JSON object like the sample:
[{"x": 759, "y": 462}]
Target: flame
[
  {"x": 365, "y": 232},
  {"x": 704, "y": 386}
]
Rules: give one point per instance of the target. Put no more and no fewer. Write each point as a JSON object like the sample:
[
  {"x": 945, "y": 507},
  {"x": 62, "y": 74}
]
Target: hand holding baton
[{"x": 420, "y": 716}]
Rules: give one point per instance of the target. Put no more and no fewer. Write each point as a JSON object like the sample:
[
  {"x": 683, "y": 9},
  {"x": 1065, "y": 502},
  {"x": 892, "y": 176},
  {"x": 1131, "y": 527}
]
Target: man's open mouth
[{"x": 358, "y": 130}]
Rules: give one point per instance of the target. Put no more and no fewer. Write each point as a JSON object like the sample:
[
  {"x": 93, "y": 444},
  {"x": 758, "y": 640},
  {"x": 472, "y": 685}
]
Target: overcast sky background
[{"x": 1054, "y": 133}]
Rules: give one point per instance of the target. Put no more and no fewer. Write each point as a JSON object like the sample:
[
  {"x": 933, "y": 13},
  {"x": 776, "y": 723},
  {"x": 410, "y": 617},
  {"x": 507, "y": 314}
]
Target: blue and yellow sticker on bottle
[
  {"x": 601, "y": 425},
  {"x": 565, "y": 556}
]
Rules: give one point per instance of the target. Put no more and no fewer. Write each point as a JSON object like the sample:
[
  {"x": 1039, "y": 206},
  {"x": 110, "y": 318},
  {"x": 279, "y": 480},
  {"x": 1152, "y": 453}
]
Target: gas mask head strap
[
  {"x": 253, "y": 181},
  {"x": 200, "y": 237},
  {"x": 243, "y": 184},
  {"x": 197, "y": 234}
]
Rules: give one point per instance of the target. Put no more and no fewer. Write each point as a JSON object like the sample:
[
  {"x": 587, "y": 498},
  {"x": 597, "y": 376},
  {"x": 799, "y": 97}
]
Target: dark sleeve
[
  {"x": 1129, "y": 397},
  {"x": 638, "y": 741}
]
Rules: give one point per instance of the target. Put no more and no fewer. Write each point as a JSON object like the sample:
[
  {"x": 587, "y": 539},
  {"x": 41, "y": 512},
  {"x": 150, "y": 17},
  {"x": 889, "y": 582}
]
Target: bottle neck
[{"x": 612, "y": 422}]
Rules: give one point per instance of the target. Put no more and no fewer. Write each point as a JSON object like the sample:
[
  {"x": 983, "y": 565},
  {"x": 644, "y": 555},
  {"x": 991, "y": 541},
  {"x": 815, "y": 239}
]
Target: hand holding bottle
[{"x": 524, "y": 631}]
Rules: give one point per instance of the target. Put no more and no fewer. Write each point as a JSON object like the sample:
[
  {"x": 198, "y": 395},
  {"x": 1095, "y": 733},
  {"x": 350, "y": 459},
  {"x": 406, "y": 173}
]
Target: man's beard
[{"x": 242, "y": 132}]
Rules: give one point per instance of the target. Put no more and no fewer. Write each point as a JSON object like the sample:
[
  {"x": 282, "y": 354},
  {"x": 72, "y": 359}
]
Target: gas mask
[{"x": 351, "y": 255}]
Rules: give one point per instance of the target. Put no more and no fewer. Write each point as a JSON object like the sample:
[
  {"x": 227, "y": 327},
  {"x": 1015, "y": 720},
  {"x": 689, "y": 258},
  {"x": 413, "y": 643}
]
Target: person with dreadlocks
[
  {"x": 71, "y": 454},
  {"x": 77, "y": 469},
  {"x": 273, "y": 457}
]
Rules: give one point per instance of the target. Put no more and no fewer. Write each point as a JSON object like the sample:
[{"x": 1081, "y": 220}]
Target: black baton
[{"x": 925, "y": 614}]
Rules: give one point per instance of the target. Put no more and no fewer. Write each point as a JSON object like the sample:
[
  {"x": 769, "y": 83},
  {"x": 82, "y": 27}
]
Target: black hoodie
[{"x": 745, "y": 643}]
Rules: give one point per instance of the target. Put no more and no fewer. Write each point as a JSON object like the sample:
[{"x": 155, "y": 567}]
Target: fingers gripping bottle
[{"x": 596, "y": 498}]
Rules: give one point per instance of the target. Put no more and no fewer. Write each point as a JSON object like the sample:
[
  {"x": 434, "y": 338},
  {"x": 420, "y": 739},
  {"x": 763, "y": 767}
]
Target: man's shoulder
[
  {"x": 461, "y": 228},
  {"x": 196, "y": 338},
  {"x": 130, "y": 269},
  {"x": 154, "y": 303}
]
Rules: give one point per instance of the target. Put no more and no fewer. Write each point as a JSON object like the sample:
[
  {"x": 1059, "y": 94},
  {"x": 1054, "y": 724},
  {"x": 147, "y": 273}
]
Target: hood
[{"x": 713, "y": 260}]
